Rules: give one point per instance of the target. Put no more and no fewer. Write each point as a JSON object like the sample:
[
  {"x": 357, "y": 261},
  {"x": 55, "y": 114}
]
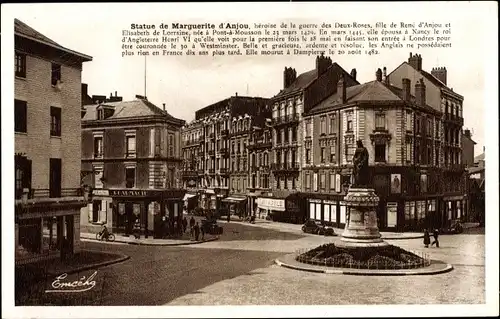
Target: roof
[
  {"x": 366, "y": 92},
  {"x": 127, "y": 109},
  {"x": 25, "y": 31},
  {"x": 305, "y": 79},
  {"x": 478, "y": 158},
  {"x": 431, "y": 78},
  {"x": 301, "y": 82}
]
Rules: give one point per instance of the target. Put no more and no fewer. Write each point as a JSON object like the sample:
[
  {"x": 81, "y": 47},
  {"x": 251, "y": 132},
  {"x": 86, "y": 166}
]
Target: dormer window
[{"x": 104, "y": 112}]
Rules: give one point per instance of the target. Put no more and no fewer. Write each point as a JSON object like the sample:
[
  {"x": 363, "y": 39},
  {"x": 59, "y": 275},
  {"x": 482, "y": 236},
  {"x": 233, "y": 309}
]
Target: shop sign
[
  {"x": 315, "y": 201},
  {"x": 272, "y": 203},
  {"x": 100, "y": 192},
  {"x": 128, "y": 192}
]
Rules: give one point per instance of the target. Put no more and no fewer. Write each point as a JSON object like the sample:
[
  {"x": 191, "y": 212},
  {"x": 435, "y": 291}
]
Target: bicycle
[{"x": 111, "y": 237}]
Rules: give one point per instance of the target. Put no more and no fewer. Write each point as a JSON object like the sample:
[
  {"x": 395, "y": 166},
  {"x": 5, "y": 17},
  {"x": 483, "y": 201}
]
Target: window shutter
[
  {"x": 91, "y": 211},
  {"x": 103, "y": 212}
]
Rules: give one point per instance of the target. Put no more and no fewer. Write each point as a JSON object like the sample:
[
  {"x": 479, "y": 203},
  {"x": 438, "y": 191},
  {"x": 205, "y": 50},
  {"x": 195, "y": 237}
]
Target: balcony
[
  {"x": 211, "y": 152},
  {"x": 456, "y": 167},
  {"x": 286, "y": 119},
  {"x": 288, "y": 167},
  {"x": 242, "y": 132},
  {"x": 189, "y": 173},
  {"x": 224, "y": 150},
  {"x": 455, "y": 119},
  {"x": 211, "y": 171},
  {"x": 211, "y": 135},
  {"x": 224, "y": 132},
  {"x": 200, "y": 172}
]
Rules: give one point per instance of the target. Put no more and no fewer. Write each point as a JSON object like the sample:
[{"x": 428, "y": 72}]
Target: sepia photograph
[{"x": 225, "y": 160}]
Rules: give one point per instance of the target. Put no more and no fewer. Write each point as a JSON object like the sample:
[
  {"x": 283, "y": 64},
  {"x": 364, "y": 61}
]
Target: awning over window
[
  {"x": 234, "y": 199},
  {"x": 188, "y": 196},
  {"x": 275, "y": 204}
]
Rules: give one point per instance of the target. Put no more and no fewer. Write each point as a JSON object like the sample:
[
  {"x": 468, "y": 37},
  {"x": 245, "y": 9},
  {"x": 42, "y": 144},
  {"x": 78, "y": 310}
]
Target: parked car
[
  {"x": 211, "y": 227},
  {"x": 326, "y": 230},
  {"x": 454, "y": 228},
  {"x": 311, "y": 227}
]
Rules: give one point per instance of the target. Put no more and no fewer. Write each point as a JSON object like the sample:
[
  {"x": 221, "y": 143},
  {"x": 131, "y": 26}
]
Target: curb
[
  {"x": 96, "y": 265},
  {"x": 138, "y": 243},
  {"x": 448, "y": 268},
  {"x": 402, "y": 237}
]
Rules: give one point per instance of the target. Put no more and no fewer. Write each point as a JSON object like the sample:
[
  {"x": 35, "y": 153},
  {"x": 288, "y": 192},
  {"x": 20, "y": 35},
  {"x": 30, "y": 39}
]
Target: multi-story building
[
  {"x": 298, "y": 96},
  {"x": 396, "y": 128},
  {"x": 133, "y": 149},
  {"x": 192, "y": 135},
  {"x": 47, "y": 104},
  {"x": 448, "y": 147},
  {"x": 226, "y": 127}
]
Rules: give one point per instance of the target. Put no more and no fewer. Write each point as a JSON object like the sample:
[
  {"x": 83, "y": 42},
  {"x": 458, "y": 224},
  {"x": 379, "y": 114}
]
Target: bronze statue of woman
[{"x": 360, "y": 166}]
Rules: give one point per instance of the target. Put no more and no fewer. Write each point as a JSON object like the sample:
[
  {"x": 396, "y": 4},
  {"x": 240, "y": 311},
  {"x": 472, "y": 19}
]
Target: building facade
[
  {"x": 299, "y": 95},
  {"x": 395, "y": 127},
  {"x": 223, "y": 131},
  {"x": 448, "y": 148},
  {"x": 133, "y": 151},
  {"x": 47, "y": 146}
]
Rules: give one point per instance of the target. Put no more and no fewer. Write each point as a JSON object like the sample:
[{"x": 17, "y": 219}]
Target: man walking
[
  {"x": 435, "y": 234},
  {"x": 196, "y": 231}
]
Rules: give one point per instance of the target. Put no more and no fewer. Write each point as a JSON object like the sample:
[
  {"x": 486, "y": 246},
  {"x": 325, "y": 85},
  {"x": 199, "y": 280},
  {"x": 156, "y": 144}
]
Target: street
[{"x": 239, "y": 269}]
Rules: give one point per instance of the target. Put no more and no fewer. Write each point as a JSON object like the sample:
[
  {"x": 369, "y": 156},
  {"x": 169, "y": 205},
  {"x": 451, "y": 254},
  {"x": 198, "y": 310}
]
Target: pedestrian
[
  {"x": 196, "y": 231},
  {"x": 228, "y": 216},
  {"x": 202, "y": 233},
  {"x": 191, "y": 222},
  {"x": 184, "y": 224},
  {"x": 137, "y": 229},
  {"x": 435, "y": 234},
  {"x": 427, "y": 238}
]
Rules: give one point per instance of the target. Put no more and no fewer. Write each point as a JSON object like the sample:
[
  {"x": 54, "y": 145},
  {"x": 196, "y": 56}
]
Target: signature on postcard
[{"x": 80, "y": 285}]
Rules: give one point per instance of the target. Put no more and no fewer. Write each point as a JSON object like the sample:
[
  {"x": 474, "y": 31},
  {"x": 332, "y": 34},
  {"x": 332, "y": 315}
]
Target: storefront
[
  {"x": 419, "y": 214},
  {"x": 119, "y": 209},
  {"x": 190, "y": 202},
  {"x": 330, "y": 212},
  {"x": 235, "y": 205},
  {"x": 47, "y": 229},
  {"x": 267, "y": 206}
]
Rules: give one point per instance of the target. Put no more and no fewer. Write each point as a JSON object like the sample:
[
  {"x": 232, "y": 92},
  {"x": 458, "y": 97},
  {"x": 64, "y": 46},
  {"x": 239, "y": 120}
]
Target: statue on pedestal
[{"x": 360, "y": 167}]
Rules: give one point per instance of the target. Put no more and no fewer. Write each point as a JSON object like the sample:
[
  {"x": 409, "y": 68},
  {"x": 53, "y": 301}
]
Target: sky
[{"x": 186, "y": 84}]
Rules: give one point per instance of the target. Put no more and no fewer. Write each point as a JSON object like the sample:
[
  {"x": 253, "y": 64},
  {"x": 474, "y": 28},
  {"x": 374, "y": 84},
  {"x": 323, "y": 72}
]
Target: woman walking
[
  {"x": 435, "y": 234},
  {"x": 427, "y": 238}
]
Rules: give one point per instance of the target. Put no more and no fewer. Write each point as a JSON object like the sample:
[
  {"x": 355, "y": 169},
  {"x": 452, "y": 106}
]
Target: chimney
[
  {"x": 415, "y": 61},
  {"x": 420, "y": 92},
  {"x": 341, "y": 89},
  {"x": 236, "y": 94},
  {"x": 164, "y": 106},
  {"x": 85, "y": 89},
  {"x": 354, "y": 73},
  {"x": 467, "y": 133},
  {"x": 116, "y": 93},
  {"x": 440, "y": 73},
  {"x": 289, "y": 76},
  {"x": 384, "y": 75},
  {"x": 322, "y": 64},
  {"x": 406, "y": 89},
  {"x": 378, "y": 75},
  {"x": 110, "y": 95}
]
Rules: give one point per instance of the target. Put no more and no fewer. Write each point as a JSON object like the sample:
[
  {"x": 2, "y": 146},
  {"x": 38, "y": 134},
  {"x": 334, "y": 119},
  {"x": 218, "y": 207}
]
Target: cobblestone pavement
[{"x": 280, "y": 286}]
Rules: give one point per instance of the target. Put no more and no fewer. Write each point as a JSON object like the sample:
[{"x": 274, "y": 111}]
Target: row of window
[
  {"x": 21, "y": 118},
  {"x": 284, "y": 135},
  {"x": 332, "y": 124},
  {"x": 20, "y": 68},
  {"x": 130, "y": 145},
  {"x": 130, "y": 177},
  {"x": 23, "y": 175},
  {"x": 422, "y": 123},
  {"x": 282, "y": 182}
]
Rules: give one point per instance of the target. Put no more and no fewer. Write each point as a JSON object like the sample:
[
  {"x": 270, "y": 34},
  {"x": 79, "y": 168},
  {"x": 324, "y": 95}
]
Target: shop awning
[
  {"x": 188, "y": 196},
  {"x": 234, "y": 199},
  {"x": 276, "y": 204}
]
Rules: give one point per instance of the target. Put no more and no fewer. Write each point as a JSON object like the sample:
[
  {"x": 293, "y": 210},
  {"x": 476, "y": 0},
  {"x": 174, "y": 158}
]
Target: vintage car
[
  {"x": 454, "y": 228},
  {"x": 311, "y": 227},
  {"x": 211, "y": 227}
]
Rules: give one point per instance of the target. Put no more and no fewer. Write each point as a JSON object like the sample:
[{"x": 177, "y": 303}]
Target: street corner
[{"x": 436, "y": 267}]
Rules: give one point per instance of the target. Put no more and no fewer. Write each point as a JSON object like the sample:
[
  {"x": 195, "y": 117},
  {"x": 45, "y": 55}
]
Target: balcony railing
[
  {"x": 212, "y": 135},
  {"x": 224, "y": 132},
  {"x": 211, "y": 171},
  {"x": 285, "y": 166},
  {"x": 211, "y": 152},
  {"x": 224, "y": 150},
  {"x": 224, "y": 170},
  {"x": 290, "y": 118}
]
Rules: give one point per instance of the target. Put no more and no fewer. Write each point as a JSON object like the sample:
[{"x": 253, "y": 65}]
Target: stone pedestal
[{"x": 361, "y": 228}]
